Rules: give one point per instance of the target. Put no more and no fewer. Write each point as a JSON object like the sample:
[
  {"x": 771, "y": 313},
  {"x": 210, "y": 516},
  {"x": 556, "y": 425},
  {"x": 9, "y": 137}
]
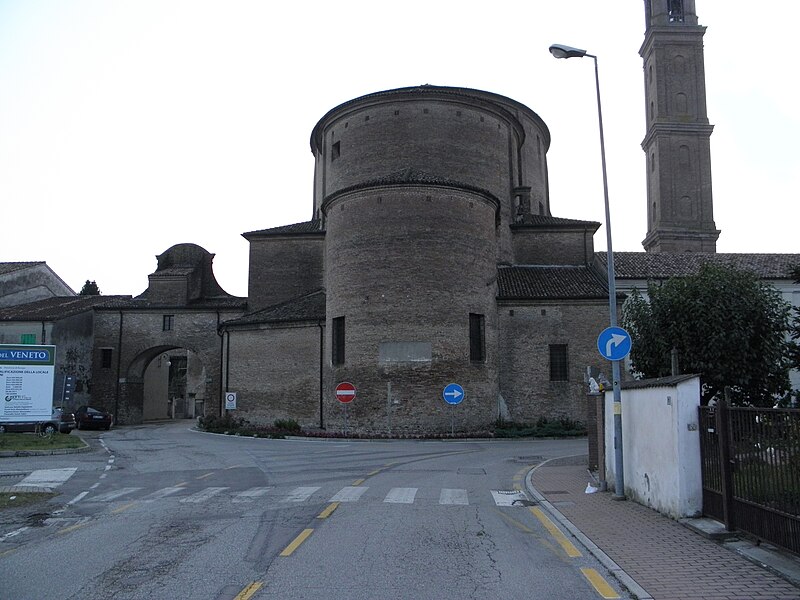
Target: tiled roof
[
  {"x": 550, "y": 283},
  {"x": 546, "y": 221},
  {"x": 310, "y": 307},
  {"x": 313, "y": 226},
  {"x": 10, "y": 267},
  {"x": 58, "y": 307},
  {"x": 143, "y": 303},
  {"x": 662, "y": 265}
]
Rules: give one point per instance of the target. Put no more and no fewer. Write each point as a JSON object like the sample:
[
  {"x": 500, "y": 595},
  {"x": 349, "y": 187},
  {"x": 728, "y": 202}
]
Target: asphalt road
[{"x": 164, "y": 512}]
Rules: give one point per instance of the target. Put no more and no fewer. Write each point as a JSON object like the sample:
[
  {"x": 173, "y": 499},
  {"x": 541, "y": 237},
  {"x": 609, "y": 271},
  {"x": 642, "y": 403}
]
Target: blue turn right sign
[{"x": 614, "y": 343}]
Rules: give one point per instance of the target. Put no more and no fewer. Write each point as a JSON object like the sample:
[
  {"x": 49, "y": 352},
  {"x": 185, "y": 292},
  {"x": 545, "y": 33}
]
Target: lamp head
[{"x": 562, "y": 51}]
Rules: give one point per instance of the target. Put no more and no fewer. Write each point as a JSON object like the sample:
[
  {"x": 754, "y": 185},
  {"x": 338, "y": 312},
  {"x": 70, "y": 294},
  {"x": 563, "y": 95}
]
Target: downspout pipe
[
  {"x": 321, "y": 365},
  {"x": 119, "y": 368}
]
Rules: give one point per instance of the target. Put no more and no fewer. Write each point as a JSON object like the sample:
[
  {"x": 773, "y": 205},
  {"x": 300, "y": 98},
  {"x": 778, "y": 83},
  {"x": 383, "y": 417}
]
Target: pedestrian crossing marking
[
  {"x": 203, "y": 495},
  {"x": 300, "y": 494},
  {"x": 350, "y": 493},
  {"x": 109, "y": 496},
  {"x": 163, "y": 493},
  {"x": 251, "y": 494},
  {"x": 47, "y": 478},
  {"x": 401, "y": 495},
  {"x": 453, "y": 497}
]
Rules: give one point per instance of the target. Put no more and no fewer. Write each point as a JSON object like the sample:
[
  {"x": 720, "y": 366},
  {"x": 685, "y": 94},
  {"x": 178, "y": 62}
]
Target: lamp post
[{"x": 561, "y": 51}]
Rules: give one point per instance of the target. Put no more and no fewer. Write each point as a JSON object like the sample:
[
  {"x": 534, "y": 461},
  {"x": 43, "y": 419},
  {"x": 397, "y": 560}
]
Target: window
[
  {"x": 336, "y": 150},
  {"x": 477, "y": 337},
  {"x": 337, "y": 341},
  {"x": 168, "y": 322},
  {"x": 105, "y": 357},
  {"x": 558, "y": 362},
  {"x": 27, "y": 338},
  {"x": 675, "y": 10}
]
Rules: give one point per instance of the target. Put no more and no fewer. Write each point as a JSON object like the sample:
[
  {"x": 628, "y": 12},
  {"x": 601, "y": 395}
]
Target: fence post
[{"x": 726, "y": 472}]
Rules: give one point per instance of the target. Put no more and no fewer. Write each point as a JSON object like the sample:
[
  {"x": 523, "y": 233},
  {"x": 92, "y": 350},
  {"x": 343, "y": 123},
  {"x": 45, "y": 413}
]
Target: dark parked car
[
  {"x": 60, "y": 420},
  {"x": 87, "y": 417}
]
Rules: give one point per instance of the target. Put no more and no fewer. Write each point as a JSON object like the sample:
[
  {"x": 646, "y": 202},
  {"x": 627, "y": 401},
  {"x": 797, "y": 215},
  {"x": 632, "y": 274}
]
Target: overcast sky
[{"x": 129, "y": 126}]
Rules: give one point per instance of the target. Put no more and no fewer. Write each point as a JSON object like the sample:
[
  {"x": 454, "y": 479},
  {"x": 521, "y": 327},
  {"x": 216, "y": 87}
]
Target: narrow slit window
[
  {"x": 105, "y": 357},
  {"x": 558, "y": 362},
  {"x": 337, "y": 341},
  {"x": 167, "y": 322},
  {"x": 477, "y": 337},
  {"x": 336, "y": 150}
]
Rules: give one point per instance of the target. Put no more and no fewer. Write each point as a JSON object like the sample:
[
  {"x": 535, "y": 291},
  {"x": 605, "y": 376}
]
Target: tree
[
  {"x": 794, "y": 328},
  {"x": 89, "y": 289},
  {"x": 727, "y": 326}
]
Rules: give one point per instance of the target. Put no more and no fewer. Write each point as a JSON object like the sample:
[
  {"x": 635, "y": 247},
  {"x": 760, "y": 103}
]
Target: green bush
[
  {"x": 288, "y": 425},
  {"x": 561, "y": 427}
]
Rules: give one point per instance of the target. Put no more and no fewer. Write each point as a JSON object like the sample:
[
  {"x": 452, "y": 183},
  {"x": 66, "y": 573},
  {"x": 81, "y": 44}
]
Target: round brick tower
[{"x": 417, "y": 188}]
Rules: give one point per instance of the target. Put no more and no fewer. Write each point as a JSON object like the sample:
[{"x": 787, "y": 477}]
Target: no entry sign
[{"x": 345, "y": 392}]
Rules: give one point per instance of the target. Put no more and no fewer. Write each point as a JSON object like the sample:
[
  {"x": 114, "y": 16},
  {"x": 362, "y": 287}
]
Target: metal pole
[
  {"x": 389, "y": 406},
  {"x": 619, "y": 478}
]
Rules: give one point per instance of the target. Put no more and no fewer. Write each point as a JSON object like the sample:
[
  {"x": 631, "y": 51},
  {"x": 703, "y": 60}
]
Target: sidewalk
[{"x": 653, "y": 555}]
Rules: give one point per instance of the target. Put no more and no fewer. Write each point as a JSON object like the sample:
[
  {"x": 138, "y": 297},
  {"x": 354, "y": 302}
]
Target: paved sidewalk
[{"x": 664, "y": 559}]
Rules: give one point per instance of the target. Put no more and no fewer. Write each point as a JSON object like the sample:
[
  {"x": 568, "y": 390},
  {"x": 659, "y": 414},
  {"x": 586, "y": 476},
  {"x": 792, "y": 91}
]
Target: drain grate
[{"x": 554, "y": 492}]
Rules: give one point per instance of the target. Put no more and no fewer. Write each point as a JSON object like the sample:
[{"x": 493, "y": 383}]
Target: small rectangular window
[
  {"x": 336, "y": 150},
  {"x": 558, "y": 362},
  {"x": 337, "y": 341},
  {"x": 477, "y": 337},
  {"x": 27, "y": 338},
  {"x": 105, "y": 357},
  {"x": 168, "y": 322}
]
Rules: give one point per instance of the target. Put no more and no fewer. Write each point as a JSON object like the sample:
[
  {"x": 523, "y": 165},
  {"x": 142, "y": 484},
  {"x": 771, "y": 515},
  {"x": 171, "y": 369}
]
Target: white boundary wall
[{"x": 660, "y": 444}]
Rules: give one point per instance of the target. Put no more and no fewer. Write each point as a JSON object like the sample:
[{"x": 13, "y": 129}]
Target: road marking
[
  {"x": 300, "y": 494},
  {"x": 15, "y": 533},
  {"x": 251, "y": 494},
  {"x": 509, "y": 498},
  {"x": 163, "y": 493},
  {"x": 7, "y": 552},
  {"x": 48, "y": 478},
  {"x": 328, "y": 511},
  {"x": 401, "y": 495},
  {"x": 203, "y": 495},
  {"x": 349, "y": 494},
  {"x": 206, "y": 475},
  {"x": 233, "y": 467},
  {"x": 72, "y": 528},
  {"x": 109, "y": 496},
  {"x": 358, "y": 482},
  {"x": 375, "y": 472},
  {"x": 562, "y": 540},
  {"x": 296, "y": 542},
  {"x": 248, "y": 592},
  {"x": 454, "y": 496},
  {"x": 122, "y": 508},
  {"x": 78, "y": 498},
  {"x": 599, "y": 583},
  {"x": 521, "y": 526}
]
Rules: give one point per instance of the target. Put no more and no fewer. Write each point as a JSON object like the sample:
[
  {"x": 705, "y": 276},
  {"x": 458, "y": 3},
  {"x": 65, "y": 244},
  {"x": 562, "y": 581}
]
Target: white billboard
[{"x": 27, "y": 374}]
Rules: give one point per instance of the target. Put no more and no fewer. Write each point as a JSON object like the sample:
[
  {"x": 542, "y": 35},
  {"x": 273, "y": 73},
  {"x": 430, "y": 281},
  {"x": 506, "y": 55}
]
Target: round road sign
[{"x": 345, "y": 392}]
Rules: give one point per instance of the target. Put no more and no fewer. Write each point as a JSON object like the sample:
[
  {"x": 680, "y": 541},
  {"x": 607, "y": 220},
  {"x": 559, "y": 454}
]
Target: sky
[{"x": 127, "y": 127}]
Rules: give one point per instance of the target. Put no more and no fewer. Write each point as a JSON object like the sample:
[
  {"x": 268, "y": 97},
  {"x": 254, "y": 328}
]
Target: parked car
[
  {"x": 61, "y": 421},
  {"x": 87, "y": 417}
]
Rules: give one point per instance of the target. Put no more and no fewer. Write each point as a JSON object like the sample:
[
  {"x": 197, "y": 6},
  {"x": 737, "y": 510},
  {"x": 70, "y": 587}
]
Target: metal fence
[{"x": 751, "y": 471}]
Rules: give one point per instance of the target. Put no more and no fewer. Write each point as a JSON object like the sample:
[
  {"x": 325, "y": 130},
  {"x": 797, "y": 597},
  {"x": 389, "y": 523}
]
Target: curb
[
  {"x": 23, "y": 453},
  {"x": 618, "y": 572}
]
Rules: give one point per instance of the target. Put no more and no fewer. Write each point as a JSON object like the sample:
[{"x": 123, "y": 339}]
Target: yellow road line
[
  {"x": 562, "y": 540},
  {"x": 375, "y": 472},
  {"x": 122, "y": 508},
  {"x": 328, "y": 511},
  {"x": 599, "y": 584},
  {"x": 358, "y": 482},
  {"x": 7, "y": 552},
  {"x": 296, "y": 542},
  {"x": 521, "y": 526},
  {"x": 204, "y": 476},
  {"x": 249, "y": 590},
  {"x": 71, "y": 528}
]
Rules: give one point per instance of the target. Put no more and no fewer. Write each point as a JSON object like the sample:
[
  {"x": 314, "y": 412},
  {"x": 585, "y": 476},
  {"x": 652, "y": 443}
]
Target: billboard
[{"x": 27, "y": 374}]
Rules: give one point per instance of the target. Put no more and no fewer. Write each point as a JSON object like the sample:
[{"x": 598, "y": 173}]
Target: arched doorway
[{"x": 174, "y": 383}]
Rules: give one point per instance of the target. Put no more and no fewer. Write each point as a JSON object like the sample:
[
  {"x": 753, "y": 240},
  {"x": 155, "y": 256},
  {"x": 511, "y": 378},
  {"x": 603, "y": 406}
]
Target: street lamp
[{"x": 561, "y": 51}]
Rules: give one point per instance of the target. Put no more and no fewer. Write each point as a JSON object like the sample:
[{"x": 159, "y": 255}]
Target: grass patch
[
  {"x": 542, "y": 428},
  {"x": 31, "y": 441},
  {"x": 18, "y": 499}
]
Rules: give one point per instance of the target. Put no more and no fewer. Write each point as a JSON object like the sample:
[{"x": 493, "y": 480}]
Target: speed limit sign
[{"x": 230, "y": 400}]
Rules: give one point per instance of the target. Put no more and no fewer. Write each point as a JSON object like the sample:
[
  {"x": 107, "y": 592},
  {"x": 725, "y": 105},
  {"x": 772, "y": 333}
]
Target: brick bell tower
[{"x": 677, "y": 144}]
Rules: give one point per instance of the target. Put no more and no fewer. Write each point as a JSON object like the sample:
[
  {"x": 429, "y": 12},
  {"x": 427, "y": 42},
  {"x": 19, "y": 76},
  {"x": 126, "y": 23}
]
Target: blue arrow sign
[
  {"x": 453, "y": 393},
  {"x": 614, "y": 343}
]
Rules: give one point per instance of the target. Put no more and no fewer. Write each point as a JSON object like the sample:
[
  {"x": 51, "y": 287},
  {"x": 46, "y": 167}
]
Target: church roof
[
  {"x": 312, "y": 226},
  {"x": 309, "y": 307},
  {"x": 142, "y": 302},
  {"x": 10, "y": 267},
  {"x": 58, "y": 307},
  {"x": 548, "y": 221},
  {"x": 550, "y": 283},
  {"x": 663, "y": 265}
]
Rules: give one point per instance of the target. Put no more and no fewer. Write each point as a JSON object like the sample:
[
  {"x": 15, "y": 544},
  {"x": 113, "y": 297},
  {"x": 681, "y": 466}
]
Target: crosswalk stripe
[
  {"x": 251, "y": 494},
  {"x": 509, "y": 498},
  {"x": 47, "y": 477},
  {"x": 203, "y": 495},
  {"x": 349, "y": 493},
  {"x": 401, "y": 495},
  {"x": 453, "y": 496},
  {"x": 109, "y": 496},
  {"x": 300, "y": 494},
  {"x": 163, "y": 493}
]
